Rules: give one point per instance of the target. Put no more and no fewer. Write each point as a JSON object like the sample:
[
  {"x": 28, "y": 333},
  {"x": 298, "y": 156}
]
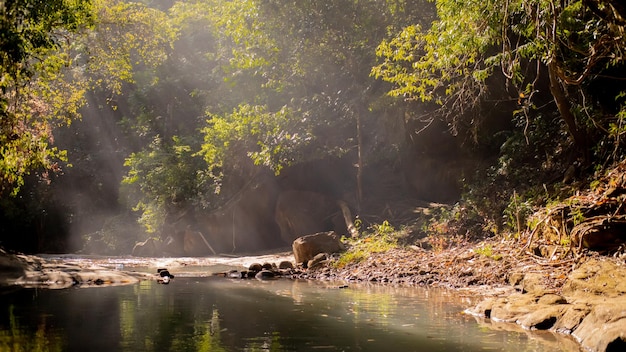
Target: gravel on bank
[{"x": 583, "y": 297}]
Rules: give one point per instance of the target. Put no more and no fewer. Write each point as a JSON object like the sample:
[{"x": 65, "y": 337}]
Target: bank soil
[{"x": 583, "y": 297}]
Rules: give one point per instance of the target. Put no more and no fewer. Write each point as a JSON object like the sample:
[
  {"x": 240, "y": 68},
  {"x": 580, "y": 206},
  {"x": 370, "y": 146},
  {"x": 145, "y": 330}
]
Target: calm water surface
[{"x": 218, "y": 314}]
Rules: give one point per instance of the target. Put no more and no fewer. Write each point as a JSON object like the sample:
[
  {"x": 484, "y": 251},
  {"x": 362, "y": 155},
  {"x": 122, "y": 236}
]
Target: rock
[
  {"x": 302, "y": 212},
  {"x": 542, "y": 318},
  {"x": 511, "y": 308},
  {"x": 319, "y": 260},
  {"x": 255, "y": 267},
  {"x": 11, "y": 266},
  {"x": 164, "y": 272},
  {"x": 236, "y": 274},
  {"x": 482, "y": 309},
  {"x": 55, "y": 276},
  {"x": 550, "y": 299},
  {"x": 534, "y": 283},
  {"x": 572, "y": 317},
  {"x": 285, "y": 265},
  {"x": 596, "y": 277},
  {"x": 604, "y": 328},
  {"x": 307, "y": 247},
  {"x": 265, "y": 275},
  {"x": 515, "y": 278}
]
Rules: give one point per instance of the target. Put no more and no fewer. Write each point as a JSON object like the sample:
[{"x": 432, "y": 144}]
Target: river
[{"x": 198, "y": 312}]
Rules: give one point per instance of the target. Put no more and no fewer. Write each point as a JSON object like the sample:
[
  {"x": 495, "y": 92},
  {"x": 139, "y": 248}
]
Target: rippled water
[{"x": 218, "y": 314}]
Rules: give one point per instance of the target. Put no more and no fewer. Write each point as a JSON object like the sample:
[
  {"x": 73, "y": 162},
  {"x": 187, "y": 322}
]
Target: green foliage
[
  {"x": 268, "y": 76},
  {"x": 129, "y": 37},
  {"x": 517, "y": 213},
  {"x": 487, "y": 251},
  {"x": 161, "y": 179},
  {"x": 383, "y": 229},
  {"x": 445, "y": 63},
  {"x": 52, "y": 54},
  {"x": 251, "y": 131},
  {"x": 379, "y": 238},
  {"x": 471, "y": 41},
  {"x": 36, "y": 88}
]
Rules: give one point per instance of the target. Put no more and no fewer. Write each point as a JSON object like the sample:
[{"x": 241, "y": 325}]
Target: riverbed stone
[
  {"x": 11, "y": 266},
  {"x": 572, "y": 318},
  {"x": 542, "y": 318},
  {"x": 551, "y": 298},
  {"x": 265, "y": 275},
  {"x": 534, "y": 283},
  {"x": 317, "y": 261},
  {"x": 598, "y": 277},
  {"x": 256, "y": 267},
  {"x": 604, "y": 328},
  {"x": 285, "y": 264},
  {"x": 307, "y": 247},
  {"x": 483, "y": 308},
  {"x": 512, "y": 308}
]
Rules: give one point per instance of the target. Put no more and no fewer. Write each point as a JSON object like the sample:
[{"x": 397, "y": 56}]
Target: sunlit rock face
[
  {"x": 301, "y": 213},
  {"x": 274, "y": 210},
  {"x": 245, "y": 223},
  {"x": 307, "y": 247}
]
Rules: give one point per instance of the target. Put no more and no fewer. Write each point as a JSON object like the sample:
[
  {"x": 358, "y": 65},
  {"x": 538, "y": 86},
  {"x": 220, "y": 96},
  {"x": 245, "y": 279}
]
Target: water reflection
[{"x": 216, "y": 314}]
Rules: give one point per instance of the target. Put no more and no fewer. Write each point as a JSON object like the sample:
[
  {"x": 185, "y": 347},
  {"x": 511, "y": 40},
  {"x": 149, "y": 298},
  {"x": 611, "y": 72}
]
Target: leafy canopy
[
  {"x": 36, "y": 89},
  {"x": 451, "y": 62}
]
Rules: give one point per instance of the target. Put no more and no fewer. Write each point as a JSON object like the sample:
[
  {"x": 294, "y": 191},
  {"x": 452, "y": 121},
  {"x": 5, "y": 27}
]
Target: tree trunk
[
  {"x": 347, "y": 217},
  {"x": 359, "y": 165},
  {"x": 565, "y": 108}
]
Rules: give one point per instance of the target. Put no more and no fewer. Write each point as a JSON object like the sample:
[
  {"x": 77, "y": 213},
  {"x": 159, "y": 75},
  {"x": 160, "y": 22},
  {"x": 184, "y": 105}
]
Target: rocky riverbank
[
  {"x": 64, "y": 271},
  {"x": 584, "y": 298},
  {"x": 33, "y": 271}
]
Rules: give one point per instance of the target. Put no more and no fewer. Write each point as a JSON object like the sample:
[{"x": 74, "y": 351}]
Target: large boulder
[
  {"x": 195, "y": 244},
  {"x": 307, "y": 247},
  {"x": 301, "y": 212},
  {"x": 11, "y": 266},
  {"x": 173, "y": 245},
  {"x": 245, "y": 223}
]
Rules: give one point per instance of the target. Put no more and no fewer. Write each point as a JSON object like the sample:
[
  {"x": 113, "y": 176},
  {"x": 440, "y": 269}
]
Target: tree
[
  {"x": 282, "y": 84},
  {"x": 77, "y": 59},
  {"x": 472, "y": 41},
  {"x": 314, "y": 58},
  {"x": 36, "y": 86}
]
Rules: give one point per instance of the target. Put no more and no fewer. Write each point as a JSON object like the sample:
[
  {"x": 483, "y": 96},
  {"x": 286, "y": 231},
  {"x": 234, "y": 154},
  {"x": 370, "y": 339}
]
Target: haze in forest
[{"x": 220, "y": 127}]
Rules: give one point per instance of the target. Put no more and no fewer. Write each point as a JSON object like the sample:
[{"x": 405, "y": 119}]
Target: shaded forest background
[{"x": 123, "y": 120}]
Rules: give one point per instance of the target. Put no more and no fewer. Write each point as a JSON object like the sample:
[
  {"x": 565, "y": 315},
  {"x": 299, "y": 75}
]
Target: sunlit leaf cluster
[
  {"x": 254, "y": 132},
  {"x": 37, "y": 88},
  {"x": 522, "y": 41}
]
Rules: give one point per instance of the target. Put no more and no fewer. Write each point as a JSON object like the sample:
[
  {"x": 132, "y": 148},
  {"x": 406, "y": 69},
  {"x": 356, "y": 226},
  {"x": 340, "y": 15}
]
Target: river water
[{"x": 207, "y": 313}]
